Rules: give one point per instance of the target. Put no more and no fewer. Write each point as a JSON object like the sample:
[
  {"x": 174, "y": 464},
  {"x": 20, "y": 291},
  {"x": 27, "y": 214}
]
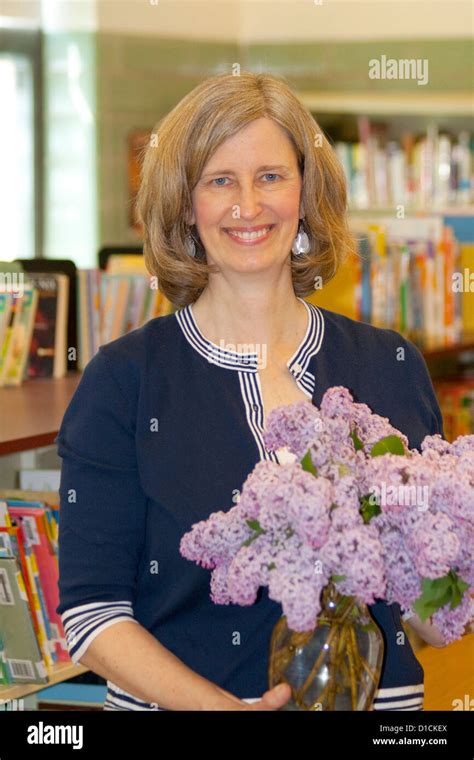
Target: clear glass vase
[{"x": 337, "y": 665}]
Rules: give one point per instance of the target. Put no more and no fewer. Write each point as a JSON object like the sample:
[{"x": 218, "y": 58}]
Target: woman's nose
[{"x": 248, "y": 201}]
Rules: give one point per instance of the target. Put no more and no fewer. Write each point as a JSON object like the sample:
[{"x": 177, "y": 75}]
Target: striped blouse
[{"x": 162, "y": 430}]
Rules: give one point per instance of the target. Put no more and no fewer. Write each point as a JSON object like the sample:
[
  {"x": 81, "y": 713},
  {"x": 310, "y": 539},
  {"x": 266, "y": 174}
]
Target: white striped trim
[
  {"x": 409, "y": 704},
  {"x": 83, "y": 623},
  {"x": 400, "y": 698},
  {"x": 251, "y": 394},
  {"x": 244, "y": 361},
  {"x": 118, "y": 699},
  {"x": 309, "y": 346},
  {"x": 248, "y": 361},
  {"x": 399, "y": 691}
]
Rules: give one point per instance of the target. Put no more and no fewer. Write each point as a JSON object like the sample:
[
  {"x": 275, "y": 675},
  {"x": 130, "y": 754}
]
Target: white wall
[
  {"x": 278, "y": 20},
  {"x": 254, "y": 20},
  {"x": 305, "y": 20}
]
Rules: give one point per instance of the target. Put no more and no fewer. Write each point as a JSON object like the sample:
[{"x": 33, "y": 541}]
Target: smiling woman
[
  {"x": 243, "y": 203},
  {"x": 244, "y": 144}
]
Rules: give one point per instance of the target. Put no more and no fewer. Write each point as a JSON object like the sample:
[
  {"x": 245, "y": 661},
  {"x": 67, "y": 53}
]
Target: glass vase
[{"x": 337, "y": 665}]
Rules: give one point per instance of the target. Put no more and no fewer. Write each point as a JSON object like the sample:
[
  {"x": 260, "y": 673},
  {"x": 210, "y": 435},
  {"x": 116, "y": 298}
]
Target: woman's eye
[
  {"x": 271, "y": 175},
  {"x": 219, "y": 181}
]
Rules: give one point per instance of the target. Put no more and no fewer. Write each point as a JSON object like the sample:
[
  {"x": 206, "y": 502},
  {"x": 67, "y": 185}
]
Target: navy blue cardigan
[{"x": 162, "y": 430}]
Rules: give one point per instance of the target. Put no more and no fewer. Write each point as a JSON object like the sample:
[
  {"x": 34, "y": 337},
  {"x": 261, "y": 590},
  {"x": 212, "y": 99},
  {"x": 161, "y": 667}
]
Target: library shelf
[
  {"x": 411, "y": 212},
  {"x": 447, "y": 352},
  {"x": 61, "y": 671},
  {"x": 32, "y": 412},
  {"x": 383, "y": 103}
]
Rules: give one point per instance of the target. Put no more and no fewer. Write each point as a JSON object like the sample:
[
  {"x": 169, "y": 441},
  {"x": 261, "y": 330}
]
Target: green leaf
[
  {"x": 358, "y": 445},
  {"x": 438, "y": 592},
  {"x": 391, "y": 444},
  {"x": 368, "y": 509},
  {"x": 254, "y": 525},
  {"x": 338, "y": 578},
  {"x": 307, "y": 463},
  {"x": 459, "y": 587}
]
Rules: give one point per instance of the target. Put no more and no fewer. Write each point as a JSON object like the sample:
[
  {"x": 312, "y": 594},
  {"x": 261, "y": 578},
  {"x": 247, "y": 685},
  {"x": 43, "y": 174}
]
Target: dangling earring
[
  {"x": 301, "y": 242},
  {"x": 190, "y": 245}
]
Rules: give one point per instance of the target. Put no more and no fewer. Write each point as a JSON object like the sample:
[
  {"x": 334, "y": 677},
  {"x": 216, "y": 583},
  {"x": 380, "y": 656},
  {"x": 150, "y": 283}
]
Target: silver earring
[
  {"x": 190, "y": 245},
  {"x": 301, "y": 242}
]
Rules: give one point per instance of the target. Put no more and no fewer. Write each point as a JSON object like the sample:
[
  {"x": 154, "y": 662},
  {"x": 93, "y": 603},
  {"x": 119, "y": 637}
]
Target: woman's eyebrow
[{"x": 265, "y": 167}]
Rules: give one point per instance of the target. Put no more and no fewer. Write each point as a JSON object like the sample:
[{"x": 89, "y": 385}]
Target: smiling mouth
[{"x": 249, "y": 234}]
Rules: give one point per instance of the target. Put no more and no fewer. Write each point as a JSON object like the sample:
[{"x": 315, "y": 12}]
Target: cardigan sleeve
[
  {"x": 422, "y": 387},
  {"x": 102, "y": 505}
]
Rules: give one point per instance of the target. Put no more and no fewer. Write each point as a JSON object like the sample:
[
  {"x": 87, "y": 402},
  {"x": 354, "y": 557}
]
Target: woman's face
[{"x": 246, "y": 204}]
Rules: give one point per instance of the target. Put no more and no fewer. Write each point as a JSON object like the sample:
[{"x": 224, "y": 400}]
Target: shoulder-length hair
[{"x": 184, "y": 140}]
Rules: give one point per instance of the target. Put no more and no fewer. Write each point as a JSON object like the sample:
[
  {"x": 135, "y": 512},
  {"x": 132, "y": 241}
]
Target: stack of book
[
  {"x": 33, "y": 326},
  {"x": 34, "y": 315},
  {"x": 456, "y": 400},
  {"x": 432, "y": 170},
  {"x": 408, "y": 281},
  {"x": 32, "y": 637},
  {"x": 115, "y": 301}
]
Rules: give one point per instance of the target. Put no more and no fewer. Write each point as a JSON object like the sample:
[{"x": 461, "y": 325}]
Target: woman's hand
[
  {"x": 427, "y": 631},
  {"x": 273, "y": 699}
]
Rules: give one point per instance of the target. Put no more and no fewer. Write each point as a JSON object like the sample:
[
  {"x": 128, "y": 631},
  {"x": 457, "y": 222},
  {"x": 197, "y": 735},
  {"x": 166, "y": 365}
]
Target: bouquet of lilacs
[{"x": 352, "y": 506}]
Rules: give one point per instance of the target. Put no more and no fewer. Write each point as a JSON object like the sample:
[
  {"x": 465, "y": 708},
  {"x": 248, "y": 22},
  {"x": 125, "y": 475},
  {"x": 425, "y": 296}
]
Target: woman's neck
[{"x": 276, "y": 321}]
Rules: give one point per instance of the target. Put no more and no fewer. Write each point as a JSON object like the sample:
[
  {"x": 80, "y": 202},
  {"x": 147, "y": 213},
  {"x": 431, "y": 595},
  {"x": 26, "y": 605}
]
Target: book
[
  {"x": 430, "y": 169},
  {"x": 33, "y": 521},
  {"x": 47, "y": 353},
  {"x": 6, "y": 302},
  {"x": 19, "y": 339},
  {"x": 21, "y": 652}
]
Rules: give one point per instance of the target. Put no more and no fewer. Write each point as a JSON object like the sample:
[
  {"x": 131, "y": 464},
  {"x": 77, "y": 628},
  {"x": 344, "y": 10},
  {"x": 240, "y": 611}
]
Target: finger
[{"x": 275, "y": 698}]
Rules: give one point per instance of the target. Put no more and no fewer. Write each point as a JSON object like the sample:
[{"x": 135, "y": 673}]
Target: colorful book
[
  {"x": 33, "y": 522},
  {"x": 48, "y": 346},
  {"x": 21, "y": 652}
]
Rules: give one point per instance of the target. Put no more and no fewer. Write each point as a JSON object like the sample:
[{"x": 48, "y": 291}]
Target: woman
[{"x": 243, "y": 204}]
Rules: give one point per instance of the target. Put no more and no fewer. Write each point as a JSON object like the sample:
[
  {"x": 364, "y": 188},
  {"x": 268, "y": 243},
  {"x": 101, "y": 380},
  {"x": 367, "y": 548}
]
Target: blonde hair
[{"x": 183, "y": 142}]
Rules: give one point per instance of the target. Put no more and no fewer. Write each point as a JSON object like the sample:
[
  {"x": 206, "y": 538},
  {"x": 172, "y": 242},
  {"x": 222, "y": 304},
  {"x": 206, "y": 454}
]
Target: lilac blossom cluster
[{"x": 377, "y": 524}]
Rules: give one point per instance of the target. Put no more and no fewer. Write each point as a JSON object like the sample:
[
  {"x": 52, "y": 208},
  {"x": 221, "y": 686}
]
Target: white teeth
[{"x": 249, "y": 235}]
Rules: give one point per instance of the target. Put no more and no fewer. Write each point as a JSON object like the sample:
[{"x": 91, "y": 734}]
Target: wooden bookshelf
[
  {"x": 60, "y": 672},
  {"x": 448, "y": 352},
  {"x": 31, "y": 413}
]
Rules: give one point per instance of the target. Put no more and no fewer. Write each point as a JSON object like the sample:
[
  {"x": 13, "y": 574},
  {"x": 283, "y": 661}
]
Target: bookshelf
[
  {"x": 32, "y": 412},
  {"x": 464, "y": 211},
  {"x": 388, "y": 104},
  {"x": 31, "y": 415},
  {"x": 448, "y": 352},
  {"x": 60, "y": 672}
]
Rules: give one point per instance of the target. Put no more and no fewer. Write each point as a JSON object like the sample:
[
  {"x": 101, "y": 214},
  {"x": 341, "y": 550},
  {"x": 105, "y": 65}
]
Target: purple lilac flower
[
  {"x": 463, "y": 444},
  {"x": 433, "y": 544},
  {"x": 403, "y": 581},
  {"x": 451, "y": 623},
  {"x": 264, "y": 476},
  {"x": 295, "y": 426},
  {"x": 306, "y": 529},
  {"x": 435, "y": 443},
  {"x": 219, "y": 591},
  {"x": 215, "y": 541},
  {"x": 357, "y": 554}
]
